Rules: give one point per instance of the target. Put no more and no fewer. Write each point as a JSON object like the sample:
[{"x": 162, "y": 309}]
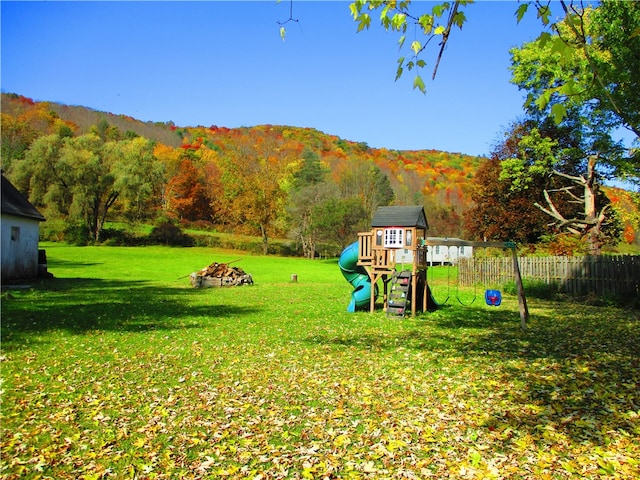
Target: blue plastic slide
[{"x": 357, "y": 277}]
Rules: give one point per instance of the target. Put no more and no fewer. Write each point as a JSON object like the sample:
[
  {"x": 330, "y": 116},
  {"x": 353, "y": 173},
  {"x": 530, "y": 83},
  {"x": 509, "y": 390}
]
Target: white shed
[{"x": 20, "y": 232}]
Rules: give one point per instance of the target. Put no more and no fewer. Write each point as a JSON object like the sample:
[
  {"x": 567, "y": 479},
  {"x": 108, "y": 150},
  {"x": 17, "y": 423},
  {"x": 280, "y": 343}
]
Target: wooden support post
[
  {"x": 372, "y": 300},
  {"x": 414, "y": 288},
  {"x": 424, "y": 291},
  {"x": 522, "y": 299}
]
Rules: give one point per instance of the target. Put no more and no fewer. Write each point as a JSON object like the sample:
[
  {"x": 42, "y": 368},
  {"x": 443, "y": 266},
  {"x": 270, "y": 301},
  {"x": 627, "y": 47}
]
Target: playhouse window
[
  {"x": 15, "y": 234},
  {"x": 393, "y": 238},
  {"x": 408, "y": 238},
  {"x": 379, "y": 237}
]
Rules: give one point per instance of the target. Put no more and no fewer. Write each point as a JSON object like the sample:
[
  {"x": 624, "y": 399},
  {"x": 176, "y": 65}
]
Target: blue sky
[{"x": 224, "y": 63}]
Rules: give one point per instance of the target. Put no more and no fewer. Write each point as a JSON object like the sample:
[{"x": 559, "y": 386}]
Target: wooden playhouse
[{"x": 397, "y": 238}]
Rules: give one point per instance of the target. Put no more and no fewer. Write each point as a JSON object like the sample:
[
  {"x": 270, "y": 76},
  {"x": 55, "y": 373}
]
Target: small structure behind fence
[{"x": 603, "y": 275}]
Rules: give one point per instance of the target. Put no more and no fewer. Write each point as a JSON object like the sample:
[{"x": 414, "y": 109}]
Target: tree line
[{"x": 257, "y": 185}]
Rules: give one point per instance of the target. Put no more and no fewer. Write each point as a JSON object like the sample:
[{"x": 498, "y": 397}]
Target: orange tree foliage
[
  {"x": 255, "y": 175},
  {"x": 627, "y": 206},
  {"x": 187, "y": 195}
]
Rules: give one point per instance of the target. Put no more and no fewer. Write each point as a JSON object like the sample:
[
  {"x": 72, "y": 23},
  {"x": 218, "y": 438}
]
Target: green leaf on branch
[
  {"x": 364, "y": 21},
  {"x": 399, "y": 22},
  {"x": 459, "y": 18},
  {"x": 426, "y": 22},
  {"x": 544, "y": 12},
  {"x": 543, "y": 100},
  {"x": 560, "y": 47},
  {"x": 354, "y": 8},
  {"x": 569, "y": 88},
  {"x": 419, "y": 84},
  {"x": 384, "y": 15},
  {"x": 522, "y": 9},
  {"x": 558, "y": 112},
  {"x": 543, "y": 39},
  {"x": 416, "y": 46},
  {"x": 439, "y": 9}
]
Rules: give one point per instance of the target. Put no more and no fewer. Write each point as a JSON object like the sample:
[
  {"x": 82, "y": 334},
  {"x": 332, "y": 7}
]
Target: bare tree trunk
[
  {"x": 265, "y": 239},
  {"x": 591, "y": 225},
  {"x": 590, "y": 214}
]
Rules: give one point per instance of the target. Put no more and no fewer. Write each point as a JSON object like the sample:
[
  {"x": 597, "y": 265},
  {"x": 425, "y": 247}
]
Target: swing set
[{"x": 492, "y": 297}]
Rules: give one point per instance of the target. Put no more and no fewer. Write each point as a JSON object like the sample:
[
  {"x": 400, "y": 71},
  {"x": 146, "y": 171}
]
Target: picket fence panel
[{"x": 603, "y": 275}]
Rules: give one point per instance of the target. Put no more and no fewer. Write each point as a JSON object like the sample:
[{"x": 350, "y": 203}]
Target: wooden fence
[{"x": 604, "y": 275}]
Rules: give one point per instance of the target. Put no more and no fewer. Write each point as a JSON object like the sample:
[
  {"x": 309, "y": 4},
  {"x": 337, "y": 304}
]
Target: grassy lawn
[{"x": 117, "y": 368}]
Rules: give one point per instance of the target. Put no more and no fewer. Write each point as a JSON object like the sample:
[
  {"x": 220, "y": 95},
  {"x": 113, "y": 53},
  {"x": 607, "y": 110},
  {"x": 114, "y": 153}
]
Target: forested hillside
[{"x": 88, "y": 167}]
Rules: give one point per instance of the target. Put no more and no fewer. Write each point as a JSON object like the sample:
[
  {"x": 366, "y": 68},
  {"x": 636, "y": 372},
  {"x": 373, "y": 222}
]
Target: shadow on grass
[
  {"x": 81, "y": 305},
  {"x": 577, "y": 371},
  {"x": 71, "y": 264}
]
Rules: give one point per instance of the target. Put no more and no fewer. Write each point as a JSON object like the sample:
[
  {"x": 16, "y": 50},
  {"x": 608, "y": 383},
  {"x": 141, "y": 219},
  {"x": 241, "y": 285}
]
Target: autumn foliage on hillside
[
  {"x": 208, "y": 169},
  {"x": 247, "y": 180}
]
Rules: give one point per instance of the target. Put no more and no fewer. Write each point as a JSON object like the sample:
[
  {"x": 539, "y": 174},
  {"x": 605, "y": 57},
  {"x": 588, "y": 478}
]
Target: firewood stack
[{"x": 220, "y": 275}]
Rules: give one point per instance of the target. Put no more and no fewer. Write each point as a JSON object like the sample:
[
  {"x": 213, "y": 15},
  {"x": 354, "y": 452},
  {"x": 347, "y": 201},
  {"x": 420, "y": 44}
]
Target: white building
[
  {"x": 446, "y": 255},
  {"x": 20, "y": 232}
]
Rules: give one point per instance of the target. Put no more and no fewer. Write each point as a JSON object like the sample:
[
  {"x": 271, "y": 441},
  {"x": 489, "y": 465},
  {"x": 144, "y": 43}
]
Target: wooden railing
[
  {"x": 365, "y": 244},
  {"x": 380, "y": 258}
]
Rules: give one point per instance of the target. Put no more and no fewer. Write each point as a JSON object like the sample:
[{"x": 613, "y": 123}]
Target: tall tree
[
  {"x": 139, "y": 177},
  {"x": 339, "y": 220},
  {"x": 187, "y": 194},
  {"x": 82, "y": 178},
  {"x": 256, "y": 178},
  {"x": 502, "y": 212},
  {"x": 94, "y": 193},
  {"x": 309, "y": 190},
  {"x": 367, "y": 182},
  {"x": 43, "y": 177},
  {"x": 568, "y": 182},
  {"x": 571, "y": 90},
  {"x": 311, "y": 171},
  {"x": 588, "y": 71},
  {"x": 303, "y": 212}
]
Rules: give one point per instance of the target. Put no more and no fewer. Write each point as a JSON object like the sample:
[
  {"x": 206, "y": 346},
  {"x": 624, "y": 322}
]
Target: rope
[
  {"x": 475, "y": 285},
  {"x": 448, "y": 284}
]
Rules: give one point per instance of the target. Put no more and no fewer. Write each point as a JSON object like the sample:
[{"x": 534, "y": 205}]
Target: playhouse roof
[
  {"x": 13, "y": 203},
  {"x": 412, "y": 216}
]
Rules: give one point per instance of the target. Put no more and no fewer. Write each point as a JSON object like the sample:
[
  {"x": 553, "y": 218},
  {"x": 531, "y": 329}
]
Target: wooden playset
[{"x": 398, "y": 238}]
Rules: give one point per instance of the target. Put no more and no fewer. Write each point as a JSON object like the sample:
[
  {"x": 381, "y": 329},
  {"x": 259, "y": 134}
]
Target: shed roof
[
  {"x": 412, "y": 216},
  {"x": 14, "y": 203}
]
